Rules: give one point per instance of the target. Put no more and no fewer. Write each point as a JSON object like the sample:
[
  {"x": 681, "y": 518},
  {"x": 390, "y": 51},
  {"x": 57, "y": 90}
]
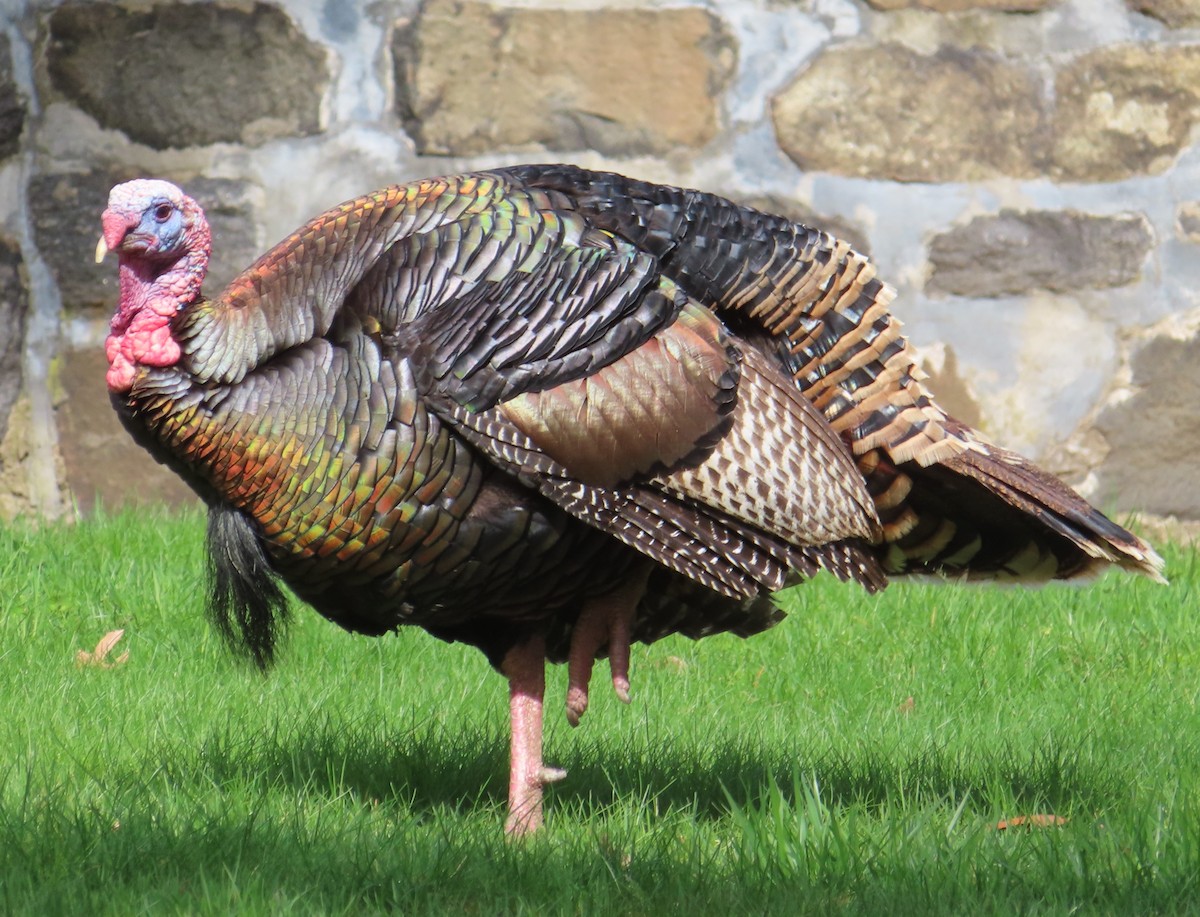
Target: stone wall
[{"x": 1024, "y": 171}]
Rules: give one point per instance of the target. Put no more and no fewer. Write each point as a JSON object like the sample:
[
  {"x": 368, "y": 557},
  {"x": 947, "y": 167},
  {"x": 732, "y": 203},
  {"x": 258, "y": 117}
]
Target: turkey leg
[
  {"x": 525, "y": 667},
  {"x": 608, "y": 619}
]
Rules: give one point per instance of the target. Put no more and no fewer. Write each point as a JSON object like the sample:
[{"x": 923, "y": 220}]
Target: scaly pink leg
[
  {"x": 606, "y": 619},
  {"x": 525, "y": 667}
]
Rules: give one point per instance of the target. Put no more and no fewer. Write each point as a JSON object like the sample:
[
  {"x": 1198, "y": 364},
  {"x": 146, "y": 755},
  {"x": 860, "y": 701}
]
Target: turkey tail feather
[
  {"x": 246, "y": 605},
  {"x": 1024, "y": 486}
]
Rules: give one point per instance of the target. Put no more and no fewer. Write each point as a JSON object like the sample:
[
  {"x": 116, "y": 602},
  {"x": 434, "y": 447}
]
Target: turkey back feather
[{"x": 949, "y": 501}]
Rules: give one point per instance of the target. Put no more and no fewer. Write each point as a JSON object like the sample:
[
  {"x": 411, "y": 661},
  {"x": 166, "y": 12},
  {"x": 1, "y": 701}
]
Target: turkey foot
[
  {"x": 608, "y": 619},
  {"x": 525, "y": 667}
]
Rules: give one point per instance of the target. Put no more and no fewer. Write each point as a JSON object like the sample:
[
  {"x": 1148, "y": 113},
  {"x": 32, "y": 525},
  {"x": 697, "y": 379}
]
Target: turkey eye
[{"x": 162, "y": 212}]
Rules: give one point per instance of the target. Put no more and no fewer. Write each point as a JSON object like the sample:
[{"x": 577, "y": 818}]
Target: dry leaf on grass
[
  {"x": 673, "y": 663},
  {"x": 99, "y": 656},
  {"x": 908, "y": 705},
  {"x": 1031, "y": 821}
]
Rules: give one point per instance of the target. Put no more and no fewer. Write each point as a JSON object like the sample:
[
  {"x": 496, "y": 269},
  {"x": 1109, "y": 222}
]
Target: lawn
[{"x": 856, "y": 759}]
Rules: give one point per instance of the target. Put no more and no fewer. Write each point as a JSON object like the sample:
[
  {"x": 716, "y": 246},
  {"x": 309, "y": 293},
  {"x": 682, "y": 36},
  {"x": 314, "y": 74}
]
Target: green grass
[{"x": 785, "y": 774}]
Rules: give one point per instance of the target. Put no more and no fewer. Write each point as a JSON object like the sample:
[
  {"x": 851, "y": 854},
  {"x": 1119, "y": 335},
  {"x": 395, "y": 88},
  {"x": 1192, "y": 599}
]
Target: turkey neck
[{"x": 151, "y": 295}]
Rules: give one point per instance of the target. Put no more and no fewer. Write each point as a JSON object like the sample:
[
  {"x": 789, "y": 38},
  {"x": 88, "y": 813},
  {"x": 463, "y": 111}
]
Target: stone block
[
  {"x": 101, "y": 461},
  {"x": 1153, "y": 437},
  {"x": 187, "y": 74},
  {"x": 15, "y": 497},
  {"x": 1187, "y": 221},
  {"x": 65, "y": 210},
  {"x": 12, "y": 106},
  {"x": 1125, "y": 110},
  {"x": 234, "y": 219},
  {"x": 885, "y": 111},
  {"x": 14, "y": 305},
  {"x": 944, "y": 379},
  {"x": 472, "y": 78},
  {"x": 1017, "y": 252}
]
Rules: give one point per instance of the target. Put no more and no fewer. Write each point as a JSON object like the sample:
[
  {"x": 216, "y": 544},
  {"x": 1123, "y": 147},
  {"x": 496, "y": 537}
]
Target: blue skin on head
[
  {"x": 145, "y": 217},
  {"x": 163, "y": 222}
]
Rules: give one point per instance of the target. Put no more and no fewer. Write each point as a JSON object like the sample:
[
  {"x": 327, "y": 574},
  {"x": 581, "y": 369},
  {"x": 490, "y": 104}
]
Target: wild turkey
[{"x": 550, "y": 412}]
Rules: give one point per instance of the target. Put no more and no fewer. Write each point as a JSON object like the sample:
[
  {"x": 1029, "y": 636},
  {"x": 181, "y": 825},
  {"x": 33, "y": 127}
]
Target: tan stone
[
  {"x": 884, "y": 111},
  {"x": 1152, "y": 433},
  {"x": 1075, "y": 457},
  {"x": 1187, "y": 221},
  {"x": 22, "y": 483},
  {"x": 15, "y": 497},
  {"x": 1177, "y": 14},
  {"x": 102, "y": 462},
  {"x": 1125, "y": 110},
  {"x": 957, "y": 6},
  {"x": 945, "y": 381},
  {"x": 473, "y": 78}
]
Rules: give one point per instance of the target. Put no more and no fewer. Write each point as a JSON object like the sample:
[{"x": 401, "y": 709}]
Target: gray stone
[
  {"x": 233, "y": 218},
  {"x": 1016, "y": 252},
  {"x": 66, "y": 212},
  {"x": 102, "y": 463},
  {"x": 14, "y": 304},
  {"x": 185, "y": 74},
  {"x": 885, "y": 111},
  {"x": 1153, "y": 436},
  {"x": 12, "y": 106},
  {"x": 474, "y": 78}
]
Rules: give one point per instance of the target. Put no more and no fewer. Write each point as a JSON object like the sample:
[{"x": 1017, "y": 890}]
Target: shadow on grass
[
  {"x": 434, "y": 769},
  {"x": 330, "y": 818}
]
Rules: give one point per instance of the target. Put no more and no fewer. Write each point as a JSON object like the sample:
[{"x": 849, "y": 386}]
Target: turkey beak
[{"x": 116, "y": 227}]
